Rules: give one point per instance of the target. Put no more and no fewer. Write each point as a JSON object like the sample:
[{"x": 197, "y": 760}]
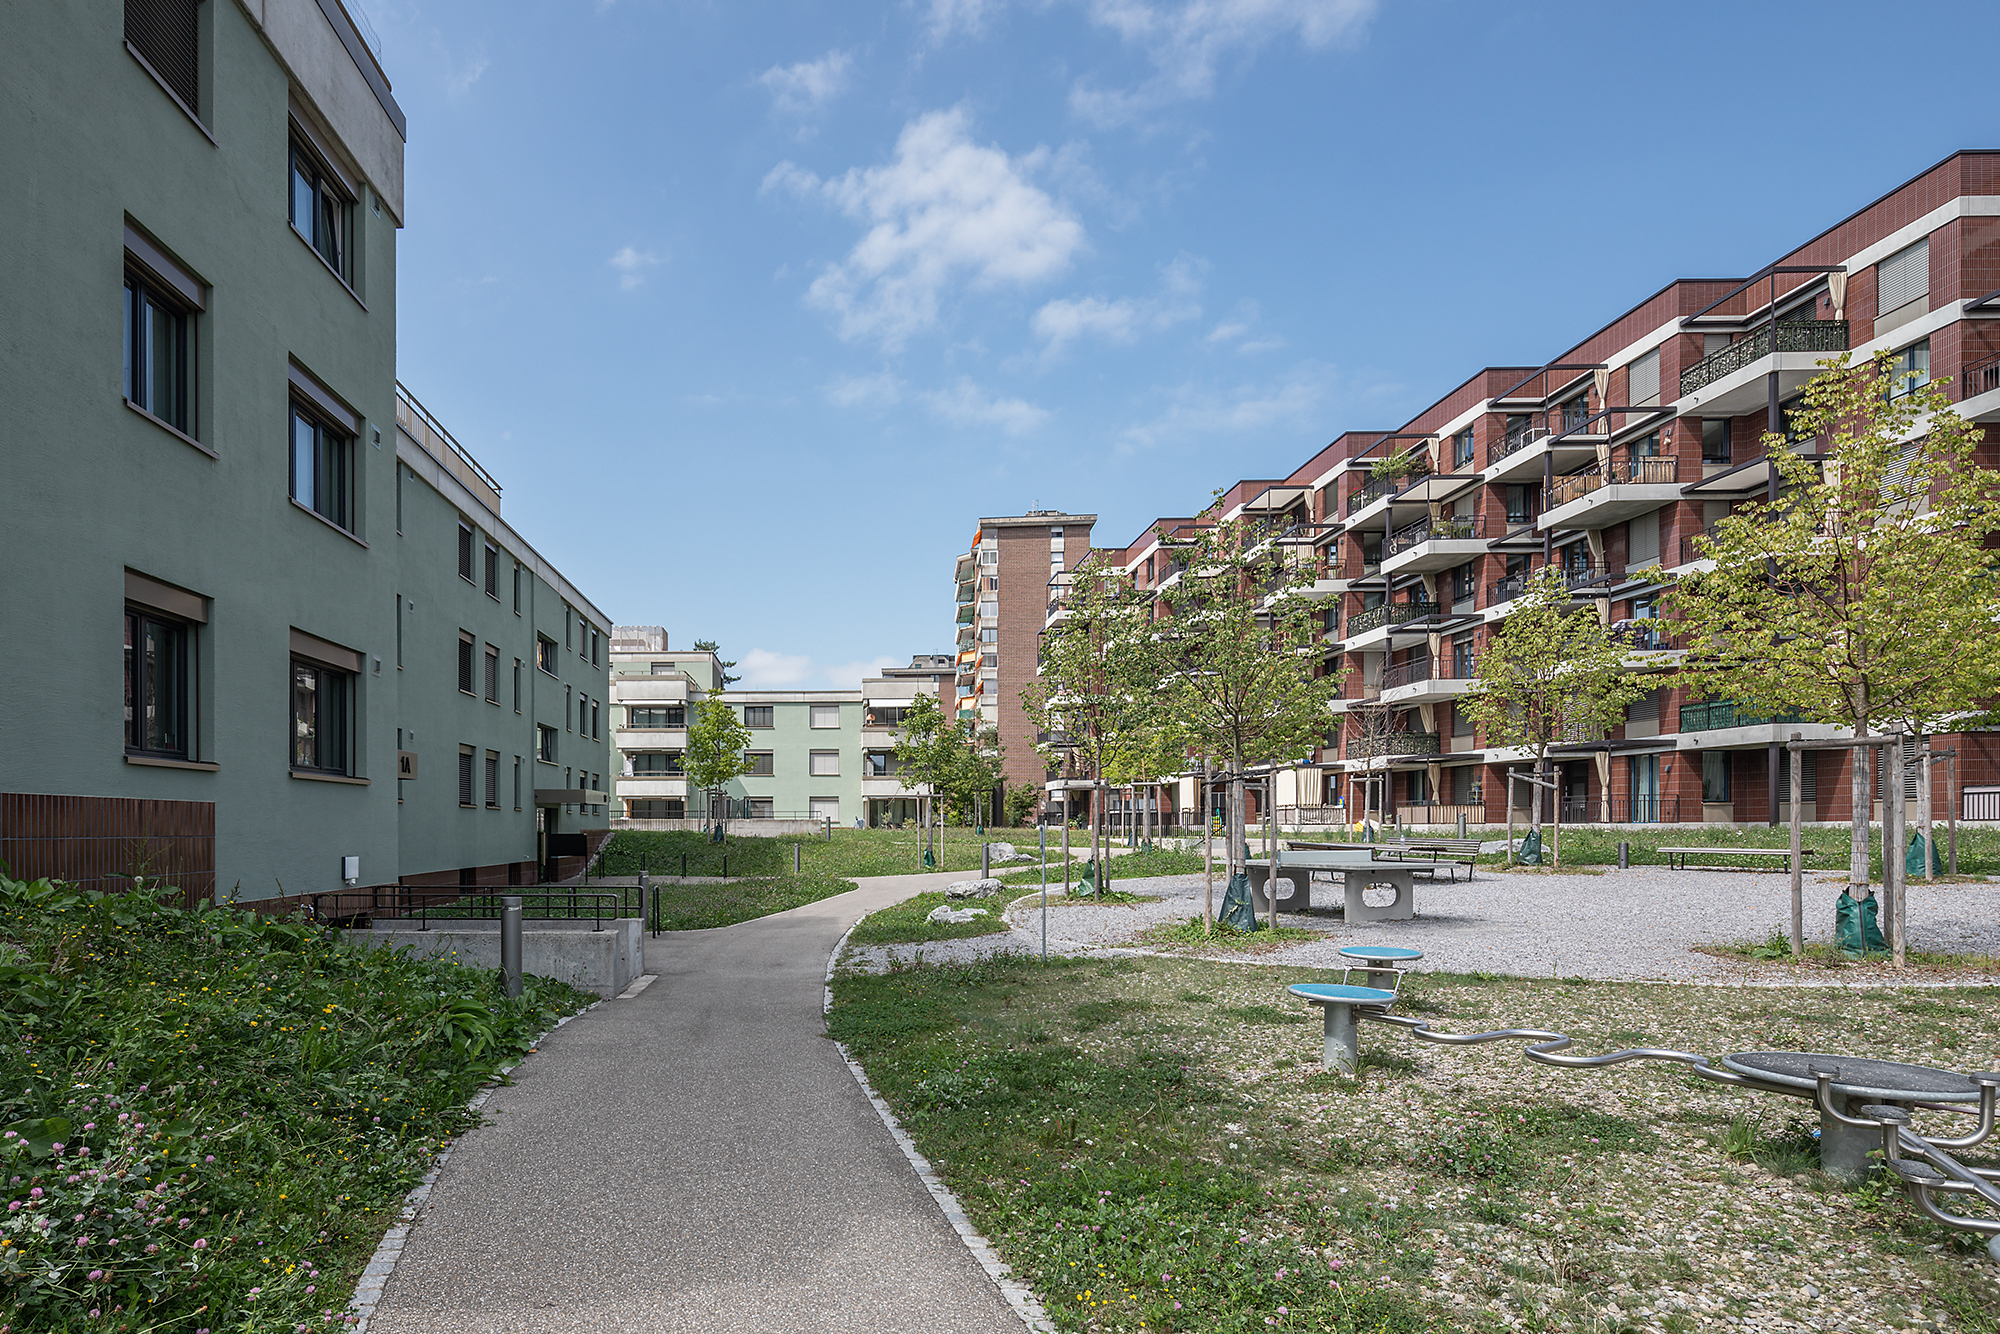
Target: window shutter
[
  {"x": 1903, "y": 277},
  {"x": 1644, "y": 387},
  {"x": 1643, "y": 541},
  {"x": 465, "y": 665},
  {"x": 465, "y": 778},
  {"x": 165, "y": 34}
]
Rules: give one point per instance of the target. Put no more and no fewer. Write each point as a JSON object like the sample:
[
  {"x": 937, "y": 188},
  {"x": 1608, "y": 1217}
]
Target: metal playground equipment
[{"x": 1864, "y": 1104}]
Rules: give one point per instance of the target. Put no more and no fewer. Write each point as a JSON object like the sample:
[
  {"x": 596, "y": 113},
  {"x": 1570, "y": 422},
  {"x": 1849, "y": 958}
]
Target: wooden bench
[
  {"x": 1678, "y": 857},
  {"x": 1451, "y": 853}
]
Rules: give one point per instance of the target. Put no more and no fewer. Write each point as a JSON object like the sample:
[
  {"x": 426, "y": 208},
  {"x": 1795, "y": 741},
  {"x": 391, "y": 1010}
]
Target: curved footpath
[{"x": 696, "y": 1158}]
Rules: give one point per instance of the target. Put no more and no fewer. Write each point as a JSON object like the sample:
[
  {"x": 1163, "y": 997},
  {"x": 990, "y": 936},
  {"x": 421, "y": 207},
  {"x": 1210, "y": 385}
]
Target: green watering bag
[
  {"x": 1855, "y": 925},
  {"x": 1236, "y": 909}
]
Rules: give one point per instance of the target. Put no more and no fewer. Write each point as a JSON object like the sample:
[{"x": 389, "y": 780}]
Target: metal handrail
[
  {"x": 437, "y": 428},
  {"x": 1389, "y": 613},
  {"x": 1717, "y": 714},
  {"x": 1981, "y": 377},
  {"x": 1783, "y": 336},
  {"x": 1645, "y": 470},
  {"x": 1451, "y": 528}
]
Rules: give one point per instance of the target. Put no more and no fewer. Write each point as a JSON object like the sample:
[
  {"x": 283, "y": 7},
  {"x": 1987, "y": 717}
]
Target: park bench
[
  {"x": 1450, "y": 853},
  {"x": 1678, "y": 857}
]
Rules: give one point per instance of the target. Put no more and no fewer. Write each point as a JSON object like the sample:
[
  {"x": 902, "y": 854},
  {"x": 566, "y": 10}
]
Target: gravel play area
[{"x": 1640, "y": 924}]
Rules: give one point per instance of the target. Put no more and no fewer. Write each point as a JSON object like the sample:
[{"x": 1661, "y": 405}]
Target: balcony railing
[
  {"x": 1981, "y": 377},
  {"x": 1688, "y": 553},
  {"x": 1389, "y": 613},
  {"x": 1784, "y": 336},
  {"x": 965, "y": 614},
  {"x": 1378, "y": 487},
  {"x": 1648, "y": 470},
  {"x": 1452, "y": 528},
  {"x": 1650, "y": 634},
  {"x": 1576, "y": 577},
  {"x": 1395, "y": 743},
  {"x": 1716, "y": 714},
  {"x": 965, "y": 593},
  {"x": 1624, "y": 810}
]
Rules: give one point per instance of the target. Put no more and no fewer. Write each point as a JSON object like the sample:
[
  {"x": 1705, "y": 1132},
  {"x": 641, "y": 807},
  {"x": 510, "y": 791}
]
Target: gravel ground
[{"x": 1634, "y": 925}]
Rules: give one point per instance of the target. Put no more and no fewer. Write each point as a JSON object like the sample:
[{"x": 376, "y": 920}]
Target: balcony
[
  {"x": 1578, "y": 578},
  {"x": 1981, "y": 377},
  {"x": 1395, "y": 744},
  {"x": 1719, "y": 714},
  {"x": 1689, "y": 555},
  {"x": 1381, "y": 488},
  {"x": 1435, "y": 544},
  {"x": 1389, "y": 613},
  {"x": 1600, "y": 495},
  {"x": 1721, "y": 380},
  {"x": 965, "y": 592},
  {"x": 965, "y": 614},
  {"x": 1543, "y": 428},
  {"x": 1648, "y": 635}
]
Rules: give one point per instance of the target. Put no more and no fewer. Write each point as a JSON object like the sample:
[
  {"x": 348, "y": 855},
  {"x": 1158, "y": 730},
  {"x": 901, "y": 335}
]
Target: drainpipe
[{"x": 1773, "y": 422}]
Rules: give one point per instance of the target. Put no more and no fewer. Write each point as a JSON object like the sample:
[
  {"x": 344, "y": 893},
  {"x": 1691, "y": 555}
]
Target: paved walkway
[{"x": 697, "y": 1158}]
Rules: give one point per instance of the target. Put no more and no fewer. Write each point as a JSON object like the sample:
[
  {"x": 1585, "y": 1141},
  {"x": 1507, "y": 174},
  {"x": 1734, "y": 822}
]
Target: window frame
[
  {"x": 815, "y": 711},
  {"x": 468, "y": 681},
  {"x": 545, "y": 654},
  {"x": 185, "y": 654},
  {"x": 468, "y": 764},
  {"x": 142, "y": 293},
  {"x": 328, "y": 439},
  {"x": 764, "y": 763},
  {"x": 813, "y": 759},
  {"x": 330, "y": 202},
  {"x": 545, "y": 743},
  {"x": 338, "y": 731},
  {"x": 493, "y": 675},
  {"x": 767, "y": 716},
  {"x": 492, "y": 780},
  {"x": 492, "y": 571}
]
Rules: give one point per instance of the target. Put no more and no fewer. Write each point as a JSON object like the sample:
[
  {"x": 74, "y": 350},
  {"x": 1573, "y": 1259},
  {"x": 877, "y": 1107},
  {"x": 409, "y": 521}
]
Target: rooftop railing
[{"x": 1784, "y": 336}]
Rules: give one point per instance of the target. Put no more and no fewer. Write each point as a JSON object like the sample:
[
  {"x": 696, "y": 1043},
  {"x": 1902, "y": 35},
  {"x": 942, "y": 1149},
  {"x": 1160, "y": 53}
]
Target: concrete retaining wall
[
  {"x": 605, "y": 962},
  {"x": 747, "y": 828}
]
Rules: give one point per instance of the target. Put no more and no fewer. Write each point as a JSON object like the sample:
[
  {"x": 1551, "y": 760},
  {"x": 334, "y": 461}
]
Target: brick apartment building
[
  {"x": 1004, "y": 597},
  {"x": 1607, "y": 462}
]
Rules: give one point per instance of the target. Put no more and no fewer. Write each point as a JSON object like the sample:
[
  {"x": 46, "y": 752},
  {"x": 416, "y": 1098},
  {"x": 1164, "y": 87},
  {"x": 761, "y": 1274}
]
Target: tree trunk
[
  {"x": 1535, "y": 794},
  {"x": 1860, "y": 769},
  {"x": 1207, "y": 852},
  {"x": 1924, "y": 799}
]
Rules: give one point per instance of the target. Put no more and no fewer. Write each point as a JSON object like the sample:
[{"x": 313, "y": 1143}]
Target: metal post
[
  {"x": 1461, "y": 824},
  {"x": 510, "y": 944},
  {"x": 1624, "y": 856},
  {"x": 1893, "y": 850},
  {"x": 1924, "y": 800},
  {"x": 1044, "y": 860},
  {"x": 795, "y": 857},
  {"x": 985, "y": 860},
  {"x": 1343, "y": 1049},
  {"x": 1951, "y": 801},
  {"x": 1798, "y": 852}
]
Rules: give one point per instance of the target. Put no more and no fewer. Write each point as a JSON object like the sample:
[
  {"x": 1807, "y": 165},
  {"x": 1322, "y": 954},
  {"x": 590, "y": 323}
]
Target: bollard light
[
  {"x": 1624, "y": 856},
  {"x": 510, "y": 944}
]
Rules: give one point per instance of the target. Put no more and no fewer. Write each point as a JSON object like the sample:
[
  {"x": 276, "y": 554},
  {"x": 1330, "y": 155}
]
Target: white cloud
[
  {"x": 946, "y": 209},
  {"x": 632, "y": 263},
  {"x": 801, "y": 89},
  {"x": 849, "y": 675},
  {"x": 1186, "y": 41},
  {"x": 1197, "y": 410},
  {"x": 865, "y": 391},
  {"x": 950, "y": 18},
  {"x": 1227, "y": 330},
  {"x": 1066, "y": 319},
  {"x": 762, "y": 669},
  {"x": 964, "y": 404},
  {"x": 460, "y": 76}
]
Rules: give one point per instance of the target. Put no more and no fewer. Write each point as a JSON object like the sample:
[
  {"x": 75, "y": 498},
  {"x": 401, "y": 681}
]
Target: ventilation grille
[{"x": 164, "y": 33}]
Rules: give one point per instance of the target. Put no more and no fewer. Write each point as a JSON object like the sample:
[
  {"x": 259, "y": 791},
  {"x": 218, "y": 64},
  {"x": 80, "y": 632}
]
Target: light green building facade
[{"x": 217, "y": 535}]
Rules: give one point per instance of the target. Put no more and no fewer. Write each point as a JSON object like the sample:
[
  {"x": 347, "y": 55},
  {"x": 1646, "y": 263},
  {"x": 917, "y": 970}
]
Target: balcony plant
[
  {"x": 1863, "y": 597},
  {"x": 1409, "y": 462}
]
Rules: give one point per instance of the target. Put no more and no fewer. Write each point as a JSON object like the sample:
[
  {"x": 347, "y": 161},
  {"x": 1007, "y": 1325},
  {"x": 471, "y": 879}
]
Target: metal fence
[{"x": 101, "y": 843}]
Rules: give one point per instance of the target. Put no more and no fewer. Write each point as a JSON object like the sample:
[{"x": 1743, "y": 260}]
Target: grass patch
[
  {"x": 701, "y": 907},
  {"x": 1156, "y": 861},
  {"x": 1978, "y": 847},
  {"x": 234, "y": 1106},
  {"x": 1189, "y": 935},
  {"x": 904, "y": 923},
  {"x": 1824, "y": 956},
  {"x": 849, "y": 855}
]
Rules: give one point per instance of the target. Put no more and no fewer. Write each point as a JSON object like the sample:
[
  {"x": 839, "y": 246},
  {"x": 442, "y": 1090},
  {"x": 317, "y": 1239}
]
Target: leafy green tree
[
  {"x": 711, "y": 646},
  {"x": 925, "y": 756},
  {"x": 1864, "y": 597},
  {"x": 1095, "y": 688},
  {"x": 1553, "y": 674},
  {"x": 715, "y": 749},
  {"x": 1234, "y": 649}
]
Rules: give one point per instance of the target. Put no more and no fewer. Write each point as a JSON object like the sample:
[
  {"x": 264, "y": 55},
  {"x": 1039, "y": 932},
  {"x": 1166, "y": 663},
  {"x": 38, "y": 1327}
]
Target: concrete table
[
  {"x": 1395, "y": 956},
  {"x": 1358, "y": 869},
  {"x": 1343, "y": 1050},
  {"x": 1857, "y": 1080}
]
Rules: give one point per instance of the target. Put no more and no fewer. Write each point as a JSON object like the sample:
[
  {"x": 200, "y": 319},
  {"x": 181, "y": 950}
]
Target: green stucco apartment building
[{"x": 262, "y": 628}]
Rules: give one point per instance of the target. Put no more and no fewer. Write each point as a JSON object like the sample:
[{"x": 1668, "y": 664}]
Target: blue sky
[{"x": 754, "y": 309}]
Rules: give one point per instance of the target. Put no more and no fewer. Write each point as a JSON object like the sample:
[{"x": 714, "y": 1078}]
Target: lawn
[
  {"x": 905, "y": 923},
  {"x": 1150, "y": 1144},
  {"x": 698, "y": 907},
  {"x": 1123, "y": 866},
  {"x": 1978, "y": 848},
  {"x": 208, "y": 1119},
  {"x": 849, "y": 855}
]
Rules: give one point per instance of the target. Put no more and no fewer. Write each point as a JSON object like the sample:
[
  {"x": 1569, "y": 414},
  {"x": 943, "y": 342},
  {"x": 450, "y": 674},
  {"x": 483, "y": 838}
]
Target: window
[
  {"x": 157, "y": 360},
  {"x": 757, "y": 808},
  {"x": 1520, "y": 503},
  {"x": 493, "y": 572},
  {"x": 166, "y": 34},
  {"x": 761, "y": 763},
  {"x": 517, "y": 782},
  {"x": 1643, "y": 381},
  {"x": 989, "y": 608},
  {"x": 878, "y": 764},
  {"x": 566, "y": 698},
  {"x": 1464, "y": 580},
  {"x": 517, "y": 588},
  {"x": 1902, "y": 280},
  {"x": 823, "y": 764},
  {"x": 655, "y": 717},
  {"x": 545, "y": 654},
  {"x": 569, "y": 627},
  {"x": 595, "y": 715},
  {"x": 321, "y": 209},
  {"x": 1715, "y": 440},
  {"x": 661, "y": 669},
  {"x": 517, "y": 685},
  {"x": 464, "y": 552},
  {"x": 656, "y": 761},
  {"x": 322, "y": 467},
  {"x": 989, "y": 660},
  {"x": 156, "y": 685},
  {"x": 1910, "y": 369},
  {"x": 465, "y": 759},
  {"x": 492, "y": 780},
  {"x": 1461, "y": 448},
  {"x": 671, "y": 808},
  {"x": 545, "y": 743},
  {"x": 596, "y": 646},
  {"x": 399, "y": 624},
  {"x": 492, "y": 675},
  {"x": 320, "y": 709},
  {"x": 825, "y": 715},
  {"x": 825, "y": 808},
  {"x": 757, "y": 715},
  {"x": 583, "y": 715},
  {"x": 1715, "y": 776},
  {"x": 989, "y": 634},
  {"x": 465, "y": 678}
]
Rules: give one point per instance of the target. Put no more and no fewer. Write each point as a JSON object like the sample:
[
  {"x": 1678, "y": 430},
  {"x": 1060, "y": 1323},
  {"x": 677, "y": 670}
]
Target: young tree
[
  {"x": 1094, "y": 688},
  {"x": 715, "y": 750},
  {"x": 925, "y": 755},
  {"x": 1864, "y": 597},
  {"x": 1552, "y": 674},
  {"x": 1234, "y": 649}
]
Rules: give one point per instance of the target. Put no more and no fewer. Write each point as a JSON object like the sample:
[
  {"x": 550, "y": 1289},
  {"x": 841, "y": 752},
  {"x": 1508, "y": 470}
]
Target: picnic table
[{"x": 1356, "y": 867}]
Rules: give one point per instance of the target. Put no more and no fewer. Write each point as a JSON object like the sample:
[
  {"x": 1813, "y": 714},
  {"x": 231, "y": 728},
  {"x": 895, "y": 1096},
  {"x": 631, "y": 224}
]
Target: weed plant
[{"x": 208, "y": 1118}]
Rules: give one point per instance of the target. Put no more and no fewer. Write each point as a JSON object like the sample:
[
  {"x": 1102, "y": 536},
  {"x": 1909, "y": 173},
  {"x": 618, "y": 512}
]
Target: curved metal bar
[
  {"x": 1989, "y": 1093},
  {"x": 1542, "y": 1046}
]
